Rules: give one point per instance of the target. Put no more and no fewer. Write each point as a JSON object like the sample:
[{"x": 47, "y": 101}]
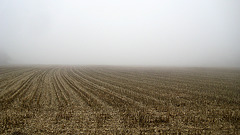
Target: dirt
[{"x": 119, "y": 100}]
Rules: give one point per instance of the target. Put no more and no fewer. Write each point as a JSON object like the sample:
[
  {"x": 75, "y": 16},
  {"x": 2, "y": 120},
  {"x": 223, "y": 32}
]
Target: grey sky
[{"x": 121, "y": 32}]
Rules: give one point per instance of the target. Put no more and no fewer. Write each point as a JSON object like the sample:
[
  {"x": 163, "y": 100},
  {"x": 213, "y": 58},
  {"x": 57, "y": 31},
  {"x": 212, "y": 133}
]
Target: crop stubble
[{"x": 119, "y": 100}]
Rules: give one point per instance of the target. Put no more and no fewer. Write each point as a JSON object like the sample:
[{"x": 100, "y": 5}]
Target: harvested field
[{"x": 119, "y": 100}]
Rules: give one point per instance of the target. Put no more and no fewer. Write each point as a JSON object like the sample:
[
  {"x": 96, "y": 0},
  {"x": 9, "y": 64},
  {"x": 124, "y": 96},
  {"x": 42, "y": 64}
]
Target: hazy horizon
[{"x": 138, "y": 32}]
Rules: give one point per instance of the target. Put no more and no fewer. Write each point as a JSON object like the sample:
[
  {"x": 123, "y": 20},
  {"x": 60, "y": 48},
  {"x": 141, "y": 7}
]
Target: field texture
[{"x": 119, "y": 100}]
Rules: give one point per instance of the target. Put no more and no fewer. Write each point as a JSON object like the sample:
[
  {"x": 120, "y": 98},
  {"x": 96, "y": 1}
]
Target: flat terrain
[{"x": 119, "y": 100}]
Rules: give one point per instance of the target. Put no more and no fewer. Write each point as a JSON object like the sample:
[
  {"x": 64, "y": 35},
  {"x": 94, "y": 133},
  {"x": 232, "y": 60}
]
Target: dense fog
[{"x": 203, "y": 33}]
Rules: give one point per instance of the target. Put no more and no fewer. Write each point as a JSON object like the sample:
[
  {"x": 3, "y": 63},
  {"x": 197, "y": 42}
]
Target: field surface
[{"x": 119, "y": 100}]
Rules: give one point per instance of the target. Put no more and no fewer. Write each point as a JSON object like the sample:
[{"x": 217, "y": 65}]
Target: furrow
[
  {"x": 88, "y": 98},
  {"x": 111, "y": 97},
  {"x": 12, "y": 84},
  {"x": 20, "y": 91},
  {"x": 61, "y": 98},
  {"x": 132, "y": 93}
]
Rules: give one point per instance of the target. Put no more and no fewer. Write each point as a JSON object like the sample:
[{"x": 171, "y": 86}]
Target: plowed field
[{"x": 119, "y": 100}]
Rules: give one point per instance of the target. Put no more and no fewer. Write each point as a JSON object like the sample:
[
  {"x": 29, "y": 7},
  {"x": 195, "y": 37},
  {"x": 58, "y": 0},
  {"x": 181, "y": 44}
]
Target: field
[{"x": 119, "y": 100}]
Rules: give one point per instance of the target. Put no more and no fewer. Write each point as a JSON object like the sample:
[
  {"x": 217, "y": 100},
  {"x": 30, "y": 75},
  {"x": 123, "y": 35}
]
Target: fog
[{"x": 201, "y": 33}]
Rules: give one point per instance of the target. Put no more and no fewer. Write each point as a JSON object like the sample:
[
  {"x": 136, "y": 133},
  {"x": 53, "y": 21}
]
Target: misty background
[{"x": 121, "y": 32}]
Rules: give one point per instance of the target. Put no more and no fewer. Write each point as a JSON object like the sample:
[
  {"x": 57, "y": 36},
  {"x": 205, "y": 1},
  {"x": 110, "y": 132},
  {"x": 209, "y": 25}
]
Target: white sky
[{"x": 121, "y": 32}]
